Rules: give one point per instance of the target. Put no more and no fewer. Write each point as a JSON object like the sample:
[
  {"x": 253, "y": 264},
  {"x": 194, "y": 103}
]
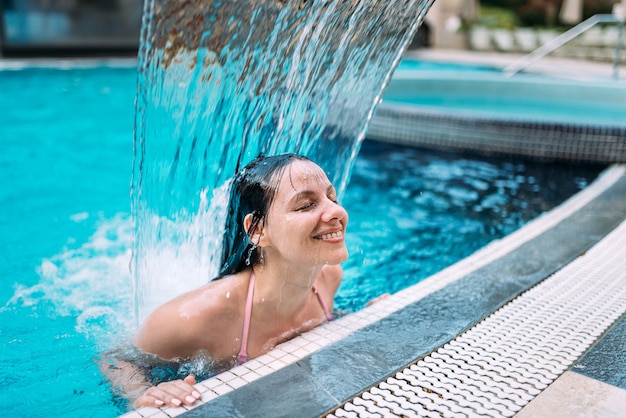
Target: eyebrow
[{"x": 308, "y": 193}]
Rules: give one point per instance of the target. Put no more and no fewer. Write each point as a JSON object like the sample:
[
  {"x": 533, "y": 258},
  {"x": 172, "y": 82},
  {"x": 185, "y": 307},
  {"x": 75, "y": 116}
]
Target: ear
[{"x": 257, "y": 234}]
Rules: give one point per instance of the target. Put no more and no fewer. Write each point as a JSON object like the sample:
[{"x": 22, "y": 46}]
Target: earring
[
  {"x": 249, "y": 257},
  {"x": 261, "y": 256}
]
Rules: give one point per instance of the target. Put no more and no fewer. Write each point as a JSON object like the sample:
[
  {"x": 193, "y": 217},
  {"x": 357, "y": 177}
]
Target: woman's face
[{"x": 305, "y": 224}]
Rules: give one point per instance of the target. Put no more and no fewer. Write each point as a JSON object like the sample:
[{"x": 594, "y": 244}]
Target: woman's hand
[
  {"x": 377, "y": 299},
  {"x": 174, "y": 393}
]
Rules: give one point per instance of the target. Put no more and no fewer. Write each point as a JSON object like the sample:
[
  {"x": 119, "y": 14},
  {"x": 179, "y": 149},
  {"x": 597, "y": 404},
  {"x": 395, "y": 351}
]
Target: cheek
[
  {"x": 299, "y": 226},
  {"x": 285, "y": 229}
]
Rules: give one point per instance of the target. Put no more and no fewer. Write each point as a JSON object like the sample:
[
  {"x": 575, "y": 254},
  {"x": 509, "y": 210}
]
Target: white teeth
[{"x": 337, "y": 234}]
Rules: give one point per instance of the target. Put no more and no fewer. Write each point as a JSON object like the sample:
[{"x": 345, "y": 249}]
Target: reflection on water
[{"x": 414, "y": 212}]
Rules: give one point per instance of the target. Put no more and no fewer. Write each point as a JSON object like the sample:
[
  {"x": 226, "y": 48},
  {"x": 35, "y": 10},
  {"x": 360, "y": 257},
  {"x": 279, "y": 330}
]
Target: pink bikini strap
[
  {"x": 329, "y": 315},
  {"x": 242, "y": 357}
]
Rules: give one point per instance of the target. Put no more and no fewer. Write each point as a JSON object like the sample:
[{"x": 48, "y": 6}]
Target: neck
[{"x": 283, "y": 290}]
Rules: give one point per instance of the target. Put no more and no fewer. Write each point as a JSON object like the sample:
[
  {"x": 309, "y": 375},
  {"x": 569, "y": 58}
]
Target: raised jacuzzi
[{"x": 478, "y": 109}]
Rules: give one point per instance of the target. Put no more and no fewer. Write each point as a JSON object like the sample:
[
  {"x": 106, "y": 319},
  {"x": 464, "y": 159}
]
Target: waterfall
[{"x": 221, "y": 82}]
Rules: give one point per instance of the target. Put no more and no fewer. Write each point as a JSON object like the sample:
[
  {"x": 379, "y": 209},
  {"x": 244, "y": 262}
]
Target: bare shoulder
[
  {"x": 331, "y": 276},
  {"x": 166, "y": 330},
  {"x": 180, "y": 327}
]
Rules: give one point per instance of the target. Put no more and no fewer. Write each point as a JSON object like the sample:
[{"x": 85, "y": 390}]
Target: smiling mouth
[{"x": 332, "y": 235}]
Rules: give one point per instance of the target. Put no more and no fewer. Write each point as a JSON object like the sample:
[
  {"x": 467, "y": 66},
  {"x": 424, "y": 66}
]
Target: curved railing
[{"x": 567, "y": 36}]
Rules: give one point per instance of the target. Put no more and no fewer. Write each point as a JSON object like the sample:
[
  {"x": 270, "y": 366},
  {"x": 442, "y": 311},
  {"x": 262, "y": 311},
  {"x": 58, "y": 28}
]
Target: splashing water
[
  {"x": 222, "y": 82},
  {"x": 90, "y": 282}
]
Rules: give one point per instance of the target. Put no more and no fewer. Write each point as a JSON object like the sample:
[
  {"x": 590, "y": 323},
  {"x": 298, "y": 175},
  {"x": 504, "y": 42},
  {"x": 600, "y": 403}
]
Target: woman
[{"x": 280, "y": 271}]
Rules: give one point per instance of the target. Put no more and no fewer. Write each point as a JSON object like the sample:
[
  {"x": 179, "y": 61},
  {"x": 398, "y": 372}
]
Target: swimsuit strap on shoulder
[
  {"x": 242, "y": 357},
  {"x": 329, "y": 315}
]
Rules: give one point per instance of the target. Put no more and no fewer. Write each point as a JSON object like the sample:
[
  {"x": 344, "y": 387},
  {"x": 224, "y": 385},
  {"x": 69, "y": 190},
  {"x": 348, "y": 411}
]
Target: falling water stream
[{"x": 221, "y": 82}]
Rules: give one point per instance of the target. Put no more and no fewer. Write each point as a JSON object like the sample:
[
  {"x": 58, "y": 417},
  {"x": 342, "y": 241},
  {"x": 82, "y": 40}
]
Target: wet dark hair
[{"x": 252, "y": 191}]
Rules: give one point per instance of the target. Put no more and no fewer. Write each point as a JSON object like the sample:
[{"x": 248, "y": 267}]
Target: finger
[
  {"x": 191, "y": 380},
  {"x": 167, "y": 393},
  {"x": 377, "y": 299},
  {"x": 147, "y": 400},
  {"x": 180, "y": 392},
  {"x": 185, "y": 391}
]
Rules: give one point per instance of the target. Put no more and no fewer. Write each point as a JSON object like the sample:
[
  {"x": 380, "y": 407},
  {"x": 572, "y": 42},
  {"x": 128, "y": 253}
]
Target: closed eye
[
  {"x": 332, "y": 196},
  {"x": 308, "y": 199},
  {"x": 305, "y": 206}
]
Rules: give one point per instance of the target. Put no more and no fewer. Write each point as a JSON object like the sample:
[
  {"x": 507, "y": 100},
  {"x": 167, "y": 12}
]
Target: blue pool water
[
  {"x": 65, "y": 231},
  {"x": 427, "y": 66},
  {"x": 485, "y": 92}
]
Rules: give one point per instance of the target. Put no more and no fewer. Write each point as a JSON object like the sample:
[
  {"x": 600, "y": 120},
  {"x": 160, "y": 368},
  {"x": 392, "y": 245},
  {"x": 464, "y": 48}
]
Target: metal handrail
[{"x": 567, "y": 36}]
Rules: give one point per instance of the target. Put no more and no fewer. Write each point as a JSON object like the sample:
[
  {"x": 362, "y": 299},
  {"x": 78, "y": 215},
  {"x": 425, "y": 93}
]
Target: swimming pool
[
  {"x": 65, "y": 227},
  {"x": 484, "y": 91},
  {"x": 484, "y": 110}
]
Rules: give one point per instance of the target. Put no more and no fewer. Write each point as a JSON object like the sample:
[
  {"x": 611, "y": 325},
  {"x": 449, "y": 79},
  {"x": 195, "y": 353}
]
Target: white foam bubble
[
  {"x": 91, "y": 282},
  {"x": 79, "y": 217}
]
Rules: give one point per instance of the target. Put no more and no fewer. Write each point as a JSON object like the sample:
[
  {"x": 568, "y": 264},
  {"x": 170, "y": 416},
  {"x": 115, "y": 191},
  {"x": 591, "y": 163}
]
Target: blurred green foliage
[
  {"x": 497, "y": 17},
  {"x": 533, "y": 13}
]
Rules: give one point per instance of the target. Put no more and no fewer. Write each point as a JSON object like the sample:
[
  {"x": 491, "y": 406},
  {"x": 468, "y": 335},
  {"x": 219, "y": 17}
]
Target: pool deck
[
  {"x": 532, "y": 325},
  {"x": 573, "y": 69}
]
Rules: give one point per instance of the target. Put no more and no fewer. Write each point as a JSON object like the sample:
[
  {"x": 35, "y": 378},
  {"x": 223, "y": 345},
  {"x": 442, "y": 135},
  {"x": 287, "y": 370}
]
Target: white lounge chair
[
  {"x": 503, "y": 40},
  {"x": 480, "y": 39},
  {"x": 526, "y": 39}
]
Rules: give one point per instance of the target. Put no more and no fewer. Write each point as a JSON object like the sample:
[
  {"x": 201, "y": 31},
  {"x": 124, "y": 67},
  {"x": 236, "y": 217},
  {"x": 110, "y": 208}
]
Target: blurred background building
[
  {"x": 521, "y": 26},
  {"x": 69, "y": 27},
  {"x": 112, "y": 27}
]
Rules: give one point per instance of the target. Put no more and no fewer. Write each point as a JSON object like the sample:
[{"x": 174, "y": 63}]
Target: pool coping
[
  {"x": 504, "y": 364},
  {"x": 319, "y": 370},
  {"x": 566, "y": 68},
  {"x": 431, "y": 128}
]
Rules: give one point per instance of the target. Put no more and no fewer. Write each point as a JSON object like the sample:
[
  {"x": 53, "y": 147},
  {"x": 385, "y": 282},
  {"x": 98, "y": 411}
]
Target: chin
[
  {"x": 332, "y": 256},
  {"x": 339, "y": 257}
]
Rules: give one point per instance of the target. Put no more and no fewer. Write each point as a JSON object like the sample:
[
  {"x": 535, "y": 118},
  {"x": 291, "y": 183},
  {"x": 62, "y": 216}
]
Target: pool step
[{"x": 500, "y": 365}]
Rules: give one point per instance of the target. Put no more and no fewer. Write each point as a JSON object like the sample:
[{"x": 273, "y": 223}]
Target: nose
[{"x": 333, "y": 211}]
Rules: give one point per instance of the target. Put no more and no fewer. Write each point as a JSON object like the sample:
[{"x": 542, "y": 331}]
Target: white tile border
[
  {"x": 500, "y": 364},
  {"x": 322, "y": 336}
]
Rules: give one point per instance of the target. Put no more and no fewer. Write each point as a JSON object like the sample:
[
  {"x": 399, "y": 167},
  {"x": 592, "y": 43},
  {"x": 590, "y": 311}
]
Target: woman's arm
[
  {"x": 127, "y": 379},
  {"x": 130, "y": 381},
  {"x": 163, "y": 336},
  {"x": 169, "y": 333}
]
